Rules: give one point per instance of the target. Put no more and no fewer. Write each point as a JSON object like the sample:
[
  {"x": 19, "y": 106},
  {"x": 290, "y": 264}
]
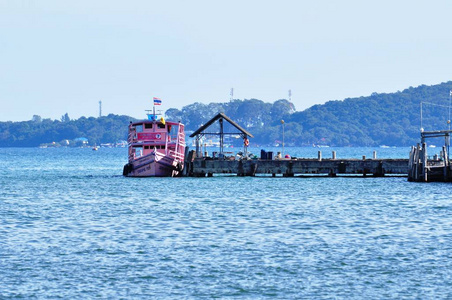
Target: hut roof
[{"x": 217, "y": 117}]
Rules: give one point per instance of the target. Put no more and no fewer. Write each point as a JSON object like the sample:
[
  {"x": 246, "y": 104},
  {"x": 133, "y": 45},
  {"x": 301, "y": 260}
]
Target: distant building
[{"x": 81, "y": 140}]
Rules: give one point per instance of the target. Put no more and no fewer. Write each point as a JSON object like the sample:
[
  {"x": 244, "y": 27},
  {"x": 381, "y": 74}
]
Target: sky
[{"x": 60, "y": 57}]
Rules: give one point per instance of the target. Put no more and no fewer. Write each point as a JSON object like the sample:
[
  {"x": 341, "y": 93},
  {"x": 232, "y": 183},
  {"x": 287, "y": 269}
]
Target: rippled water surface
[{"x": 71, "y": 226}]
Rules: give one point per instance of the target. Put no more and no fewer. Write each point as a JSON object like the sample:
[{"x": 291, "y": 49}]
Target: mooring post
[
  {"x": 374, "y": 155},
  {"x": 416, "y": 162},
  {"x": 424, "y": 162},
  {"x": 289, "y": 171},
  {"x": 253, "y": 169},
  {"x": 334, "y": 154},
  {"x": 240, "y": 169},
  {"x": 410, "y": 164},
  {"x": 445, "y": 163},
  {"x": 320, "y": 155},
  {"x": 379, "y": 172}
]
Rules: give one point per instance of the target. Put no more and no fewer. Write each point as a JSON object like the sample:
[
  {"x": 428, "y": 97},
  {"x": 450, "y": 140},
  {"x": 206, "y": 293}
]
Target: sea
[{"x": 72, "y": 227}]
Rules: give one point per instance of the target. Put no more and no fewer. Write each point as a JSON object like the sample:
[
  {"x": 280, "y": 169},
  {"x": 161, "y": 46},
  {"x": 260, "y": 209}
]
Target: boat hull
[{"x": 153, "y": 165}]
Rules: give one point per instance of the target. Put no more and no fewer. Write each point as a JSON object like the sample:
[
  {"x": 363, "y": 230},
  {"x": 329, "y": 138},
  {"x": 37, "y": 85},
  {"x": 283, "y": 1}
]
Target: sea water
[{"x": 72, "y": 226}]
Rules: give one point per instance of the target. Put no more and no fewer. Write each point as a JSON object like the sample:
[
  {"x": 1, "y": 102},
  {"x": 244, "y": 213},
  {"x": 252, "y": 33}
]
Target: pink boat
[{"x": 156, "y": 148}]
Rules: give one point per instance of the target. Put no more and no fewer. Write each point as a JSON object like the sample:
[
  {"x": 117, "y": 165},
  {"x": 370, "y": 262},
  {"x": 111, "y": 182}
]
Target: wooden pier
[
  {"x": 200, "y": 167},
  {"x": 198, "y": 164},
  {"x": 438, "y": 168}
]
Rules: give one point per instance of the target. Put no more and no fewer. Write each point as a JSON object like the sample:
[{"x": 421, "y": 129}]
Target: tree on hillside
[
  {"x": 65, "y": 118},
  {"x": 36, "y": 119}
]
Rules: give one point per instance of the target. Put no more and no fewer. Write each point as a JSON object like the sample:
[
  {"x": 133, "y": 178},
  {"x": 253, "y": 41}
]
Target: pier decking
[
  {"x": 201, "y": 167},
  {"x": 198, "y": 164},
  {"x": 423, "y": 169}
]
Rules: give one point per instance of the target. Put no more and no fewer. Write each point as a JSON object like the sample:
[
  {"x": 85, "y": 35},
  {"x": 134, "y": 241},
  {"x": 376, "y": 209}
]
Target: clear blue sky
[{"x": 64, "y": 56}]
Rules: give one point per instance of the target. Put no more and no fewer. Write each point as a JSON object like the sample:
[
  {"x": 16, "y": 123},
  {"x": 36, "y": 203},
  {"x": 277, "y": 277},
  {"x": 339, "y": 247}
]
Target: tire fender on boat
[
  {"x": 127, "y": 169},
  {"x": 179, "y": 167}
]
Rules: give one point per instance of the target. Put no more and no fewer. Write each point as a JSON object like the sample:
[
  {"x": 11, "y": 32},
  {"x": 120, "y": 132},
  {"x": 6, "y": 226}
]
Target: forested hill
[
  {"x": 391, "y": 119},
  {"x": 380, "y": 119}
]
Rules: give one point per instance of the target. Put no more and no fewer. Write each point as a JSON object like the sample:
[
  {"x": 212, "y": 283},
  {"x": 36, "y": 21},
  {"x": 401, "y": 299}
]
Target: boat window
[
  {"x": 148, "y": 125},
  {"x": 139, "y": 128},
  {"x": 146, "y": 147},
  {"x": 161, "y": 125},
  {"x": 138, "y": 151},
  {"x": 173, "y": 132}
]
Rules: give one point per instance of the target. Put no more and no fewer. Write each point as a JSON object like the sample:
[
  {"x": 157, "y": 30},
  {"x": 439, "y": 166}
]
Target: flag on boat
[
  {"x": 157, "y": 101},
  {"x": 162, "y": 120}
]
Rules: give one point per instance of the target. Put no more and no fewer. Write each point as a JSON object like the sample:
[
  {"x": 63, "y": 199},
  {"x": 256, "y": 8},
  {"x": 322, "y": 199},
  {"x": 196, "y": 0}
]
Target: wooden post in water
[
  {"x": 320, "y": 155},
  {"x": 374, "y": 155},
  {"x": 334, "y": 154},
  {"x": 445, "y": 160},
  {"x": 410, "y": 165},
  {"x": 424, "y": 162},
  {"x": 416, "y": 163},
  {"x": 198, "y": 150},
  {"x": 240, "y": 170}
]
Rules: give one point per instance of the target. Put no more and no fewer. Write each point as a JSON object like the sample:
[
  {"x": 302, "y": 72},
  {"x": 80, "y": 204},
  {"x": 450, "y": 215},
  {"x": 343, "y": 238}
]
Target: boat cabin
[{"x": 147, "y": 135}]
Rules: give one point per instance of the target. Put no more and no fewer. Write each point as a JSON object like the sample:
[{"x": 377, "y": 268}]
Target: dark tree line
[
  {"x": 391, "y": 119},
  {"x": 39, "y": 131}
]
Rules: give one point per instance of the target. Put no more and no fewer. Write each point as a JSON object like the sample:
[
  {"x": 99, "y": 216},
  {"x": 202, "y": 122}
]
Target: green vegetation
[
  {"x": 66, "y": 132},
  {"x": 391, "y": 119}
]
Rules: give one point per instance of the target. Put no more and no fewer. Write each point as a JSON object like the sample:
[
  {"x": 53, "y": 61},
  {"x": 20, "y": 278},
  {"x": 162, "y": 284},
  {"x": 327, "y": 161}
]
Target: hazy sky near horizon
[{"x": 64, "y": 56}]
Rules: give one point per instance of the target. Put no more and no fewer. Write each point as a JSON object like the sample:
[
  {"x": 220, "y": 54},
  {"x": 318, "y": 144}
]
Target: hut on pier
[{"x": 221, "y": 132}]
